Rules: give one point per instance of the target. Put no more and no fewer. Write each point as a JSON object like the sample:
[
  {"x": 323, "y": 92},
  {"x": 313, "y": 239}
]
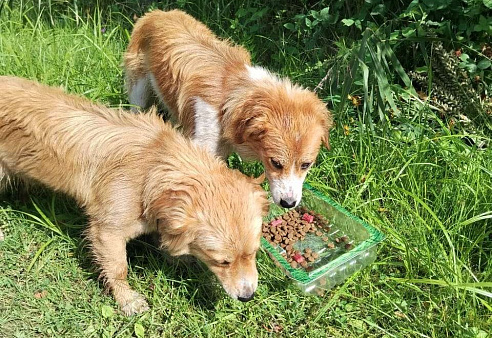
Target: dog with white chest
[{"x": 223, "y": 102}]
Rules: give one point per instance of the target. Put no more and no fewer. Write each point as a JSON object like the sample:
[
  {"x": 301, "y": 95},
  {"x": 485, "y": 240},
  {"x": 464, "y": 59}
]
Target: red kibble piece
[
  {"x": 298, "y": 257},
  {"x": 276, "y": 222},
  {"x": 308, "y": 218}
]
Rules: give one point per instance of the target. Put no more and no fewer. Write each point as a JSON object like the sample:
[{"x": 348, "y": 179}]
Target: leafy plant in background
[{"x": 453, "y": 90}]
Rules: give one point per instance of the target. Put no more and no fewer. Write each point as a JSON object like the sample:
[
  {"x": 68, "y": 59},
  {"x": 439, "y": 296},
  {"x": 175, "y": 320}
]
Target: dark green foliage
[{"x": 453, "y": 91}]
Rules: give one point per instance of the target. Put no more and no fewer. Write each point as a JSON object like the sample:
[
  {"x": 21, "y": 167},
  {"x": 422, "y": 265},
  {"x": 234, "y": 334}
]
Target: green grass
[{"x": 416, "y": 181}]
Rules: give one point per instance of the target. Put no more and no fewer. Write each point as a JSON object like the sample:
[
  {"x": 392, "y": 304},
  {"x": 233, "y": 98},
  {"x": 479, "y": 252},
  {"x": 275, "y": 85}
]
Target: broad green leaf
[
  {"x": 290, "y": 26},
  {"x": 394, "y": 35},
  {"x": 464, "y": 57},
  {"x": 307, "y": 21},
  {"x": 378, "y": 10},
  {"x": 408, "y": 32},
  {"x": 488, "y": 3},
  {"x": 484, "y": 64},
  {"x": 139, "y": 330},
  {"x": 107, "y": 311},
  {"x": 348, "y": 22},
  {"x": 324, "y": 13}
]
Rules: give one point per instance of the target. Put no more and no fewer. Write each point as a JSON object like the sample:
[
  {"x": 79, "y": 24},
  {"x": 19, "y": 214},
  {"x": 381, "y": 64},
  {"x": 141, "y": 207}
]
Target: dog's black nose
[
  {"x": 286, "y": 204},
  {"x": 246, "y": 299}
]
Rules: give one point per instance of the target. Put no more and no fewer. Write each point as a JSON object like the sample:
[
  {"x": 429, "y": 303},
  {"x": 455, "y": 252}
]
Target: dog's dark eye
[
  {"x": 224, "y": 263},
  {"x": 276, "y": 164},
  {"x": 305, "y": 165}
]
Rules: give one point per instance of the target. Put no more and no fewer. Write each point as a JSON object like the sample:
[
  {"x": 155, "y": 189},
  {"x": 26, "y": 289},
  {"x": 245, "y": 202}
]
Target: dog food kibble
[{"x": 289, "y": 230}]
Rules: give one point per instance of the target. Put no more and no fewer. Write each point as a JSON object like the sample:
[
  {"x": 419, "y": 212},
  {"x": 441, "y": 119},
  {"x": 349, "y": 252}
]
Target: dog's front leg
[{"x": 109, "y": 248}]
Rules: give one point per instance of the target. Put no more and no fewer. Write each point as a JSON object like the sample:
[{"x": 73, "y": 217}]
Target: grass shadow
[{"x": 143, "y": 253}]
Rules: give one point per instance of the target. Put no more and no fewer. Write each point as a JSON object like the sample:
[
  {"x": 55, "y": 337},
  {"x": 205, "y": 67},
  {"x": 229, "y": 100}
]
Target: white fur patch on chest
[{"x": 207, "y": 127}]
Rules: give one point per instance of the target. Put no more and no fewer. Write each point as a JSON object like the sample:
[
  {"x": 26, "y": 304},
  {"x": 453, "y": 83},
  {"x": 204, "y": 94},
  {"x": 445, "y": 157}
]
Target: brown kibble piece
[
  {"x": 304, "y": 264},
  {"x": 293, "y": 264},
  {"x": 348, "y": 246},
  {"x": 319, "y": 233},
  {"x": 344, "y": 238},
  {"x": 325, "y": 239},
  {"x": 315, "y": 255},
  {"x": 331, "y": 245},
  {"x": 308, "y": 250}
]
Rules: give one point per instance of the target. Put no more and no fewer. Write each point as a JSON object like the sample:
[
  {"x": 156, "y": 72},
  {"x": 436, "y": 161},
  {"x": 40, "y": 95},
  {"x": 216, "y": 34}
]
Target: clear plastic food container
[{"x": 333, "y": 263}]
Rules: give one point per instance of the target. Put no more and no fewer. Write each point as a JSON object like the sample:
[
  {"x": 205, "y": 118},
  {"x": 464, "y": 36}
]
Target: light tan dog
[
  {"x": 223, "y": 102},
  {"x": 134, "y": 174}
]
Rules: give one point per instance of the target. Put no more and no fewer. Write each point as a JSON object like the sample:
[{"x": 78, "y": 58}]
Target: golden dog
[
  {"x": 133, "y": 174},
  {"x": 223, "y": 102}
]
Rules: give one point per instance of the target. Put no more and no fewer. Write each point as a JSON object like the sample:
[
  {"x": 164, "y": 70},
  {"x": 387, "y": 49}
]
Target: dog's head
[
  {"x": 216, "y": 217},
  {"x": 284, "y": 125}
]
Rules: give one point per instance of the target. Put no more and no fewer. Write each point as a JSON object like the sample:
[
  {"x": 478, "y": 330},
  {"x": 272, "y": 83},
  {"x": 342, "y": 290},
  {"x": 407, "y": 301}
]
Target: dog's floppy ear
[
  {"x": 168, "y": 212},
  {"x": 325, "y": 139},
  {"x": 260, "y": 193},
  {"x": 258, "y": 180},
  {"x": 327, "y": 123},
  {"x": 250, "y": 128}
]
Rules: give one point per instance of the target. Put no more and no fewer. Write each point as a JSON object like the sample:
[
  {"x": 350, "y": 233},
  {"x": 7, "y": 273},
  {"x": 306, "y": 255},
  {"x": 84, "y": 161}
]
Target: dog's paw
[{"x": 135, "y": 305}]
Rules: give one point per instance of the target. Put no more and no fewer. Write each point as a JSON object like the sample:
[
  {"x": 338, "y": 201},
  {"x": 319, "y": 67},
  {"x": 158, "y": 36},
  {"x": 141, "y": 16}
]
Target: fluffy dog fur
[
  {"x": 152, "y": 181},
  {"x": 223, "y": 102}
]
